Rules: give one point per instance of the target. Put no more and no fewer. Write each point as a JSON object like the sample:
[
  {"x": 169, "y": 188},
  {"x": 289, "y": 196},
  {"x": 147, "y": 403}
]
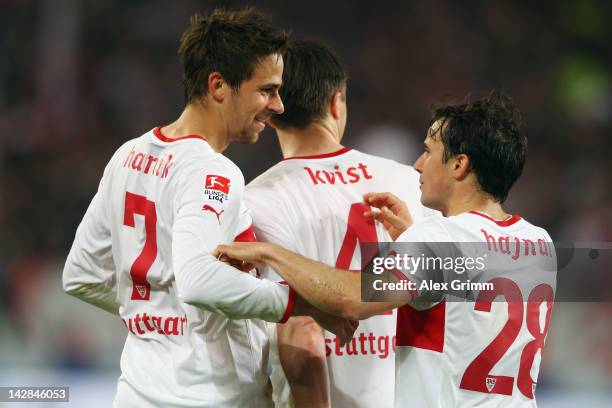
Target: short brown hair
[
  {"x": 228, "y": 42},
  {"x": 312, "y": 74}
]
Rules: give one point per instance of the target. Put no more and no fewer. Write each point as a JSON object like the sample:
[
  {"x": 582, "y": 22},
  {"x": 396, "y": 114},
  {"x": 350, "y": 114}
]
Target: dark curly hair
[
  {"x": 228, "y": 42},
  {"x": 488, "y": 131}
]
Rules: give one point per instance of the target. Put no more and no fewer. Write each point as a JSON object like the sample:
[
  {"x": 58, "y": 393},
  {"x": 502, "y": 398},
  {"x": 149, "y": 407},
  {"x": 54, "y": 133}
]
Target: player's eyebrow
[{"x": 272, "y": 86}]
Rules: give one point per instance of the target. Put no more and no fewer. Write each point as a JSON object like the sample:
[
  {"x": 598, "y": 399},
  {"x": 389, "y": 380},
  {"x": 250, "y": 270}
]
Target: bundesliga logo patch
[{"x": 217, "y": 187}]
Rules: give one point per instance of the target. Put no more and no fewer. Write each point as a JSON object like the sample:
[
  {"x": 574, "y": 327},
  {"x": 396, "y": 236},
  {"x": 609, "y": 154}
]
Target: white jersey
[
  {"x": 143, "y": 251},
  {"x": 314, "y": 206},
  {"x": 487, "y": 352}
]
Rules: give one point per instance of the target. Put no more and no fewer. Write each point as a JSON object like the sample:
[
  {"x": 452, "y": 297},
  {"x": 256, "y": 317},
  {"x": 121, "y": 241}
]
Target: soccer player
[
  {"x": 453, "y": 353},
  {"x": 166, "y": 199},
  {"x": 311, "y": 202}
]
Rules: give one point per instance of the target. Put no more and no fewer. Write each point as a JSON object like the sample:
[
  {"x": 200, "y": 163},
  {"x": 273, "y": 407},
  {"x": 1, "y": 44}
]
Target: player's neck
[
  {"x": 474, "y": 201},
  {"x": 197, "y": 120},
  {"x": 315, "y": 139}
]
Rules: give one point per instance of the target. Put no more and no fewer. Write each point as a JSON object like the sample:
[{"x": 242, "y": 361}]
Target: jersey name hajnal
[{"x": 503, "y": 245}]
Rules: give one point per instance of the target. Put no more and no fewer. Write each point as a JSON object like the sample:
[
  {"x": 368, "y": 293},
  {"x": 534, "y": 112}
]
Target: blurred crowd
[{"x": 78, "y": 78}]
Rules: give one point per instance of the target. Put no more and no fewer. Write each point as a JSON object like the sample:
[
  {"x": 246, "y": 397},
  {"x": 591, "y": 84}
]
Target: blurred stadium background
[{"x": 77, "y": 78}]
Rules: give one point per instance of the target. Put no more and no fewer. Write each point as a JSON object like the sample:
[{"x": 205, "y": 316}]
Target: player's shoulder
[
  {"x": 226, "y": 163},
  {"x": 428, "y": 229},
  {"x": 214, "y": 171},
  {"x": 197, "y": 158},
  {"x": 383, "y": 162},
  {"x": 402, "y": 175},
  {"x": 514, "y": 224},
  {"x": 123, "y": 151},
  {"x": 128, "y": 145},
  {"x": 535, "y": 229},
  {"x": 270, "y": 177},
  {"x": 262, "y": 193}
]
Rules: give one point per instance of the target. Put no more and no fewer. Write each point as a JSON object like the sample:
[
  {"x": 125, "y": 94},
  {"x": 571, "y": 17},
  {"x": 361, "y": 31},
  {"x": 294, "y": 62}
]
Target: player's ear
[
  {"x": 461, "y": 166},
  {"x": 217, "y": 87},
  {"x": 335, "y": 107}
]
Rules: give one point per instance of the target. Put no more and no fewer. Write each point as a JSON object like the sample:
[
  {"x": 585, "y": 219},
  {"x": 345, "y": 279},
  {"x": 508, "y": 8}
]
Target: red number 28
[{"x": 477, "y": 376}]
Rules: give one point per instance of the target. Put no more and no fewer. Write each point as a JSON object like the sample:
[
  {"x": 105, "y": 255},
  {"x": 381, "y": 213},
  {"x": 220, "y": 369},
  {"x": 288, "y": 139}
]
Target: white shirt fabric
[
  {"x": 456, "y": 353},
  {"x": 304, "y": 204},
  {"x": 143, "y": 251}
]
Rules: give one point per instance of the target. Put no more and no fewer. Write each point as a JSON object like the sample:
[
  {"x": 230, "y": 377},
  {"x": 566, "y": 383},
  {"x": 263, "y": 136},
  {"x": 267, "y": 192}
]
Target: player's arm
[
  {"x": 209, "y": 284},
  {"x": 333, "y": 290},
  {"x": 89, "y": 272},
  {"x": 200, "y": 222},
  {"x": 205, "y": 282},
  {"x": 301, "y": 349},
  {"x": 301, "y": 343}
]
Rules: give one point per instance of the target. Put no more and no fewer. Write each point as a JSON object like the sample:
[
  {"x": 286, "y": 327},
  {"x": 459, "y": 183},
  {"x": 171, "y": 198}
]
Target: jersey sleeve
[
  {"x": 89, "y": 272},
  {"x": 245, "y": 231},
  {"x": 269, "y": 226},
  {"x": 208, "y": 213},
  {"x": 427, "y": 243}
]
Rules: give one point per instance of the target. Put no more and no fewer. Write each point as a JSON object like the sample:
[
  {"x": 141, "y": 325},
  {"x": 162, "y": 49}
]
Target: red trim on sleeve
[
  {"x": 157, "y": 132},
  {"x": 321, "y": 156},
  {"x": 512, "y": 219},
  {"x": 422, "y": 329},
  {"x": 248, "y": 235},
  {"x": 290, "y": 304}
]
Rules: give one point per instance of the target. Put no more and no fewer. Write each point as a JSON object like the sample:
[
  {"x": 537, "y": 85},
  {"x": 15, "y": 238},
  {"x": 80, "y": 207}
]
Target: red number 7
[{"x": 137, "y": 204}]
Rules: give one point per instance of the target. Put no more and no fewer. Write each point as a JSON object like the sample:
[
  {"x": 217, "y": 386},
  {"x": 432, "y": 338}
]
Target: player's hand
[
  {"x": 393, "y": 214},
  {"x": 252, "y": 253},
  {"x": 342, "y": 328},
  {"x": 241, "y": 265}
]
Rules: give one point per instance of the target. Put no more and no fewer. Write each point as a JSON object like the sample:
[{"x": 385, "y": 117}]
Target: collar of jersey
[
  {"x": 158, "y": 133},
  {"x": 511, "y": 219},
  {"x": 321, "y": 156}
]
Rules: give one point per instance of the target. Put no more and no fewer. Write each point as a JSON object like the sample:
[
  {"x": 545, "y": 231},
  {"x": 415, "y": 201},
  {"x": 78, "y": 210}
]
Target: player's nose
[
  {"x": 418, "y": 164},
  {"x": 276, "y": 106}
]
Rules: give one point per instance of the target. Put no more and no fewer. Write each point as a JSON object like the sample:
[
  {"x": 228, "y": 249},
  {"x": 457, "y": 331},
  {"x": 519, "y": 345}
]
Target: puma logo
[{"x": 207, "y": 207}]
